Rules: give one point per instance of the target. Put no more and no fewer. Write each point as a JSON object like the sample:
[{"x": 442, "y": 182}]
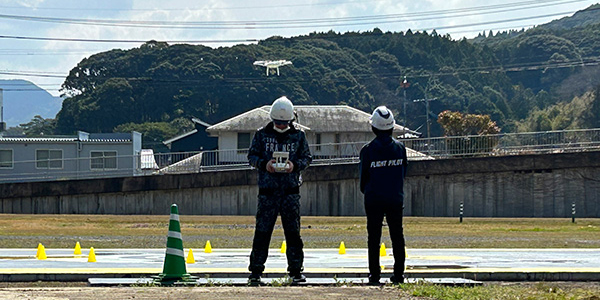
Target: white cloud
[{"x": 29, "y": 3}]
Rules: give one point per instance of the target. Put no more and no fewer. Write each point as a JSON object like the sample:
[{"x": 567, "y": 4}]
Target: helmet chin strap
[{"x": 281, "y": 130}]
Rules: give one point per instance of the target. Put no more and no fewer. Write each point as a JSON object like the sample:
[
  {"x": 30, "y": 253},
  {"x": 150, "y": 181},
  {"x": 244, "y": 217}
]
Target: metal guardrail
[
  {"x": 149, "y": 163},
  {"x": 419, "y": 149},
  {"x": 221, "y": 160},
  {"x": 507, "y": 144}
]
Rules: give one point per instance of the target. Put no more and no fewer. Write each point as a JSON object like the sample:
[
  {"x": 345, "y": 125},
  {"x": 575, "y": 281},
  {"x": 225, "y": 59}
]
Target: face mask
[{"x": 281, "y": 130}]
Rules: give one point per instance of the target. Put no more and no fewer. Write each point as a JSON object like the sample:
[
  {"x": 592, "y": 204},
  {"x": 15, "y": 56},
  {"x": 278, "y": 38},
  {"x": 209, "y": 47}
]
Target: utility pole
[
  {"x": 404, "y": 84},
  {"x": 427, "y": 100}
]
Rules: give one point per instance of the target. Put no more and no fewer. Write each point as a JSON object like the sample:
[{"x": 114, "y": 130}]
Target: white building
[
  {"x": 83, "y": 156},
  {"x": 342, "y": 126}
]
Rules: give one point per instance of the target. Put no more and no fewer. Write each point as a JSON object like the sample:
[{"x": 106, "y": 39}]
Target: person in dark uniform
[
  {"x": 383, "y": 165},
  {"x": 279, "y": 152}
]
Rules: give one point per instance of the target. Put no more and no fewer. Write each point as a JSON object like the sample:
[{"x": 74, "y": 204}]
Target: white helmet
[
  {"x": 282, "y": 109},
  {"x": 382, "y": 118}
]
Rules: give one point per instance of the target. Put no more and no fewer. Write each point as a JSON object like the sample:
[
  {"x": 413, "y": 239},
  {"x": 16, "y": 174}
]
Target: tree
[
  {"x": 591, "y": 116},
  {"x": 39, "y": 126},
  {"x": 153, "y": 133},
  {"x": 505, "y": 75},
  {"x": 458, "y": 124},
  {"x": 14, "y": 131}
]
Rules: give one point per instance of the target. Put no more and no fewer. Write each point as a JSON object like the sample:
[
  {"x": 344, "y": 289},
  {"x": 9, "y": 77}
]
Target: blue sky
[{"x": 47, "y": 62}]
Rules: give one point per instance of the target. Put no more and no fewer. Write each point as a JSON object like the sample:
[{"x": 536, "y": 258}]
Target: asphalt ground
[{"x": 230, "y": 265}]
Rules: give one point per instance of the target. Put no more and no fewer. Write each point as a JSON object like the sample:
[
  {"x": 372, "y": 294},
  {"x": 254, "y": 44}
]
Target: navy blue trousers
[
  {"x": 376, "y": 210},
  {"x": 269, "y": 206}
]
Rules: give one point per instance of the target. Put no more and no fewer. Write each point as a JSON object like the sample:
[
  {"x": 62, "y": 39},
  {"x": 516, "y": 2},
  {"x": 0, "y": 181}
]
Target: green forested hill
[{"x": 510, "y": 76}]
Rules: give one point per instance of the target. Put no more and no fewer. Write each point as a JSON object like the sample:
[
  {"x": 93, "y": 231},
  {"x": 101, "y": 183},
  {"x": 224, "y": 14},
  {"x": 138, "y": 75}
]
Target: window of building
[
  {"x": 48, "y": 159},
  {"x": 6, "y": 158},
  {"x": 102, "y": 160},
  {"x": 243, "y": 141},
  {"x": 338, "y": 140},
  {"x": 318, "y": 141}
]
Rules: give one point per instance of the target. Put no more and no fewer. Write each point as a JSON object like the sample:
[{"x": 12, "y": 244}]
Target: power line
[
  {"x": 195, "y": 9},
  {"x": 17, "y": 73},
  {"x": 300, "y": 23},
  {"x": 124, "y": 41},
  {"x": 496, "y": 29},
  {"x": 56, "y": 52},
  {"x": 33, "y": 53},
  {"x": 589, "y": 61},
  {"x": 29, "y": 90},
  {"x": 253, "y": 40},
  {"x": 240, "y": 81},
  {"x": 4, "y": 84},
  {"x": 585, "y": 61},
  {"x": 30, "y": 71}
]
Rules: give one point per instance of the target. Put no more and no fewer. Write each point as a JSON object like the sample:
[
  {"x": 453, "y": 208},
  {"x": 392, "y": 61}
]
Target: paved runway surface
[{"x": 476, "y": 264}]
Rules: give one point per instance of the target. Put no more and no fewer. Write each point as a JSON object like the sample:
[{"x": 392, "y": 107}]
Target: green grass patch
[{"x": 516, "y": 291}]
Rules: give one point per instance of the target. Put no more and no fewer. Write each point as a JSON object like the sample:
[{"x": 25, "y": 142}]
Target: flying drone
[{"x": 272, "y": 64}]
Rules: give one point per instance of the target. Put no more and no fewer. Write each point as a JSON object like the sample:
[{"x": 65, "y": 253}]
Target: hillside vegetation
[{"x": 540, "y": 79}]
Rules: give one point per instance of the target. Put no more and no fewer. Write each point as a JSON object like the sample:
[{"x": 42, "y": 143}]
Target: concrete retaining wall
[{"x": 514, "y": 186}]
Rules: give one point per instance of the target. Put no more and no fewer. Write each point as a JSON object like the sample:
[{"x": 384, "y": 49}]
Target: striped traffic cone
[{"x": 174, "y": 266}]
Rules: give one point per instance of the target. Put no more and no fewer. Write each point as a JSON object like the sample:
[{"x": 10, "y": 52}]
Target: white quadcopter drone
[{"x": 272, "y": 64}]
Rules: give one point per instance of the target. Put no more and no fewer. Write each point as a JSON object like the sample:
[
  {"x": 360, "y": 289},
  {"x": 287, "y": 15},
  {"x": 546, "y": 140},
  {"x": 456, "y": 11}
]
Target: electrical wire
[
  {"x": 519, "y": 68},
  {"x": 261, "y": 7},
  {"x": 254, "y": 40},
  {"x": 594, "y": 61},
  {"x": 300, "y": 23},
  {"x": 587, "y": 61},
  {"x": 32, "y": 38}
]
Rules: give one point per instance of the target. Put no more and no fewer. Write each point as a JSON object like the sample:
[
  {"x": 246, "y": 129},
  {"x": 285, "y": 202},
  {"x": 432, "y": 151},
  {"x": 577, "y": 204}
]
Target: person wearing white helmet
[
  {"x": 382, "y": 168},
  {"x": 278, "y": 188},
  {"x": 282, "y": 113}
]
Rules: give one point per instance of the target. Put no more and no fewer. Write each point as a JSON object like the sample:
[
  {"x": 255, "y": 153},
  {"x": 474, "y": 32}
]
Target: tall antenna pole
[
  {"x": 1, "y": 105},
  {"x": 2, "y": 124},
  {"x": 404, "y": 84}
]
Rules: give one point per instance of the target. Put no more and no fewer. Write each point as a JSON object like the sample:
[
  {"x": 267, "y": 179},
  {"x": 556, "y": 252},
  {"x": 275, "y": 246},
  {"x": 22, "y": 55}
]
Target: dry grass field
[
  {"x": 119, "y": 231},
  {"x": 133, "y": 231}
]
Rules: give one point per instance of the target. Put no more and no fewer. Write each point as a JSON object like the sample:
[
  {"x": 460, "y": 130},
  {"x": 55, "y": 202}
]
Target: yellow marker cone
[
  {"x": 39, "y": 248},
  {"x": 42, "y": 254},
  {"x": 207, "y": 248},
  {"x": 190, "y": 258},
  {"x": 92, "y": 255},
  {"x": 382, "y": 251},
  {"x": 77, "y": 249},
  {"x": 342, "y": 248},
  {"x": 283, "y": 247}
]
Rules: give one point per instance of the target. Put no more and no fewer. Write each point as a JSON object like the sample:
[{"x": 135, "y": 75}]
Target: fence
[
  {"x": 419, "y": 149},
  {"x": 148, "y": 163},
  {"x": 507, "y": 144}
]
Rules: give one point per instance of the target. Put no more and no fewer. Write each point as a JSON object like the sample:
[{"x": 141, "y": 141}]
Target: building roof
[
  {"x": 81, "y": 137},
  {"x": 248, "y": 121},
  {"x": 37, "y": 140},
  {"x": 195, "y": 120},
  {"x": 315, "y": 118},
  {"x": 198, "y": 121},
  {"x": 180, "y": 136}
]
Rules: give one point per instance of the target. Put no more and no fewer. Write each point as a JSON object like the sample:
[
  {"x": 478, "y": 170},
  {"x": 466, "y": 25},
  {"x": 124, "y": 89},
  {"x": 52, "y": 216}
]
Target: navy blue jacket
[
  {"x": 265, "y": 142},
  {"x": 383, "y": 166}
]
